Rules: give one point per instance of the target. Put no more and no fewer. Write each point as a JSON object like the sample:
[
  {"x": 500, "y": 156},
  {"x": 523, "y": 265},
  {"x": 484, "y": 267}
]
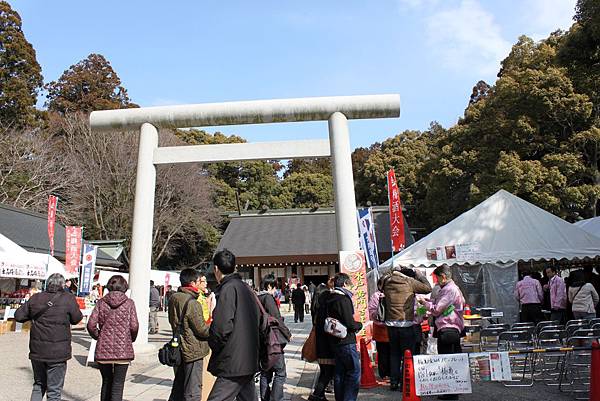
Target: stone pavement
[{"x": 149, "y": 381}]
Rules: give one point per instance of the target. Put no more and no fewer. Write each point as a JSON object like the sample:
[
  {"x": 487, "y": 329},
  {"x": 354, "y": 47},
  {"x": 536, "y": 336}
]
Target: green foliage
[
  {"x": 20, "y": 73},
  {"x": 307, "y": 190},
  {"x": 89, "y": 85}
]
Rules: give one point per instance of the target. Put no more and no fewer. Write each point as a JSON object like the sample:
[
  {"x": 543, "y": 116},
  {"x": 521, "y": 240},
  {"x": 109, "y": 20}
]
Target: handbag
[
  {"x": 170, "y": 353},
  {"x": 309, "y": 349},
  {"x": 335, "y": 328}
]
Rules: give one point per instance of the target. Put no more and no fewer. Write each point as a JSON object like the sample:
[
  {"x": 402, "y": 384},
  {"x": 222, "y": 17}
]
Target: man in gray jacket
[{"x": 154, "y": 306}]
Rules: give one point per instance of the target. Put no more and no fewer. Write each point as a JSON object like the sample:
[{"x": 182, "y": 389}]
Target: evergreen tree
[{"x": 20, "y": 73}]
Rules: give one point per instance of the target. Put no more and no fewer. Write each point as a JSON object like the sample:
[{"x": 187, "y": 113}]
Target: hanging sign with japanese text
[
  {"x": 73, "y": 249},
  {"x": 354, "y": 264},
  {"x": 87, "y": 272},
  {"x": 52, "y": 205},
  {"x": 396, "y": 217},
  {"x": 367, "y": 237}
]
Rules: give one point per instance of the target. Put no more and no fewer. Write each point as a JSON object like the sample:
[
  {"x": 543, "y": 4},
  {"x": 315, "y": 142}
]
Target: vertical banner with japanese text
[
  {"x": 354, "y": 264},
  {"x": 396, "y": 217},
  {"x": 73, "y": 249},
  {"x": 87, "y": 272},
  {"x": 367, "y": 237},
  {"x": 52, "y": 205}
]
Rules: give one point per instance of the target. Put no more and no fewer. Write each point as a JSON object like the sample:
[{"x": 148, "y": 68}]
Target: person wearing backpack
[
  {"x": 114, "y": 324},
  {"x": 52, "y": 313},
  {"x": 187, "y": 385},
  {"x": 234, "y": 334},
  {"x": 277, "y": 374},
  {"x": 347, "y": 360}
]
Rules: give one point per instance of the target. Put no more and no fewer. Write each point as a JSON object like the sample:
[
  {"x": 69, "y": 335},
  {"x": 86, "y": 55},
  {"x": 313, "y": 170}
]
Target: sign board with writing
[
  {"x": 354, "y": 264},
  {"x": 468, "y": 252},
  {"x": 22, "y": 270},
  {"x": 73, "y": 249},
  {"x": 442, "y": 374},
  {"x": 500, "y": 366}
]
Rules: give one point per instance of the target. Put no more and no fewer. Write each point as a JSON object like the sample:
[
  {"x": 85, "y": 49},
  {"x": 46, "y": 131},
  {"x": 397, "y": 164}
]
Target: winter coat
[
  {"x": 50, "y": 336},
  {"x": 193, "y": 338},
  {"x": 584, "y": 298},
  {"x": 298, "y": 297},
  {"x": 114, "y": 324},
  {"x": 339, "y": 306},
  {"x": 324, "y": 349},
  {"x": 400, "y": 292},
  {"x": 449, "y": 294},
  {"x": 234, "y": 332},
  {"x": 268, "y": 302},
  {"x": 154, "y": 297}
]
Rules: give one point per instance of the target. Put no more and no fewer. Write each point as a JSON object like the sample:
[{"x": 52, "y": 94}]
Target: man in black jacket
[
  {"x": 277, "y": 374},
  {"x": 52, "y": 313},
  {"x": 298, "y": 299},
  {"x": 234, "y": 334},
  {"x": 347, "y": 361}
]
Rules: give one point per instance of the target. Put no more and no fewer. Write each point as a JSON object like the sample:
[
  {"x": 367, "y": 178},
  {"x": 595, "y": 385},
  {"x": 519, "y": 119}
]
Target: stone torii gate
[{"x": 336, "y": 110}]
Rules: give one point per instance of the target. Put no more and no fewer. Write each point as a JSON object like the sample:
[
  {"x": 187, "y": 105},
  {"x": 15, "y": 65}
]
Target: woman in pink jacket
[{"x": 447, "y": 308}]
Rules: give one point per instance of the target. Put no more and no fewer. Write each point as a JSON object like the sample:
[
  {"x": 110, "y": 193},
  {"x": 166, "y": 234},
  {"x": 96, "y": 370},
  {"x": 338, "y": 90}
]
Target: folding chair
[
  {"x": 503, "y": 326},
  {"x": 573, "y": 328},
  {"x": 594, "y": 321},
  {"x": 549, "y": 363},
  {"x": 575, "y": 371},
  {"x": 545, "y": 323},
  {"x": 518, "y": 340},
  {"x": 517, "y": 326},
  {"x": 488, "y": 339},
  {"x": 595, "y": 333},
  {"x": 552, "y": 327},
  {"x": 576, "y": 322}
]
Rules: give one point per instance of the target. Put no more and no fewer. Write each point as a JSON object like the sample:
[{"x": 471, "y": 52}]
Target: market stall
[{"x": 485, "y": 244}]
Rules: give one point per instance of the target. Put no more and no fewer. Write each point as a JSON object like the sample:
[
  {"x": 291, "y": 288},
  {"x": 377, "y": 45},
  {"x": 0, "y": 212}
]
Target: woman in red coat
[{"x": 114, "y": 325}]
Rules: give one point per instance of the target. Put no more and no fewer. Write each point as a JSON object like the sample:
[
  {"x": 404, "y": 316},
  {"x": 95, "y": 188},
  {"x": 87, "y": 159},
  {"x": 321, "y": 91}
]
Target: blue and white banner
[
  {"x": 87, "y": 271},
  {"x": 367, "y": 237}
]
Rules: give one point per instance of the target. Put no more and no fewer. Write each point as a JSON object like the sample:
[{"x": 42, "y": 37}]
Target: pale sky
[{"x": 431, "y": 52}]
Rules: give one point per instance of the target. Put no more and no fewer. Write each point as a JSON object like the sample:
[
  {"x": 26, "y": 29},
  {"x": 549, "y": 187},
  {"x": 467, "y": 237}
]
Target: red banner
[
  {"x": 354, "y": 264},
  {"x": 73, "y": 249},
  {"x": 396, "y": 217},
  {"x": 52, "y": 204}
]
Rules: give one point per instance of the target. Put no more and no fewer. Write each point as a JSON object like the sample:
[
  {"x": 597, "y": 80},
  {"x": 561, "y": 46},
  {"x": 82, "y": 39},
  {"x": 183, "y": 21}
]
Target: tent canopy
[
  {"x": 592, "y": 225},
  {"x": 504, "y": 228}
]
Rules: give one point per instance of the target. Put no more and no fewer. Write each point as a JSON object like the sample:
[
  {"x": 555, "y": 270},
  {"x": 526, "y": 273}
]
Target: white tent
[
  {"x": 592, "y": 225},
  {"x": 504, "y": 228},
  {"x": 29, "y": 264}
]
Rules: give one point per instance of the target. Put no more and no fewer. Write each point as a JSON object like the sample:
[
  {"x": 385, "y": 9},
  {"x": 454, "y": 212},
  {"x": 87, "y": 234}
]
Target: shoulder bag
[
  {"x": 170, "y": 353},
  {"x": 48, "y": 305}
]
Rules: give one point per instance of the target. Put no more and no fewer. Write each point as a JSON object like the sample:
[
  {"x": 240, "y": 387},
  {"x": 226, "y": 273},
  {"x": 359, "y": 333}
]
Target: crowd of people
[
  {"x": 226, "y": 323},
  {"x": 573, "y": 297}
]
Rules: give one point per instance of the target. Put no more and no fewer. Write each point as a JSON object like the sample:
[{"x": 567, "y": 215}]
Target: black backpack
[{"x": 273, "y": 335}]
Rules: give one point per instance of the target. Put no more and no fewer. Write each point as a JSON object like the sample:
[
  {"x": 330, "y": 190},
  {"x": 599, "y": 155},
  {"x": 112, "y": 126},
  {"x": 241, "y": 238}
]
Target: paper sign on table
[
  {"x": 500, "y": 366},
  {"x": 442, "y": 374}
]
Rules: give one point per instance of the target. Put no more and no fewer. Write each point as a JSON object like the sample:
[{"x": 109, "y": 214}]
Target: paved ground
[{"x": 150, "y": 381}]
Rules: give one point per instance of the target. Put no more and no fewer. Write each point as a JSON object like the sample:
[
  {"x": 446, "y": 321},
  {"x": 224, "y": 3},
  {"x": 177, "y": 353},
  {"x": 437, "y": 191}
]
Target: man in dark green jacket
[{"x": 187, "y": 385}]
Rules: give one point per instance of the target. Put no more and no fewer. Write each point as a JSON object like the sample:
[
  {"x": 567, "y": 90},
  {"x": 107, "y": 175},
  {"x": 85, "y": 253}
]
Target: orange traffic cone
[
  {"x": 409, "y": 392},
  {"x": 595, "y": 373},
  {"x": 367, "y": 376}
]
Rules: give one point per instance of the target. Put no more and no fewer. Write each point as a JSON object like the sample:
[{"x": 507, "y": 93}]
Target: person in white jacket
[{"x": 582, "y": 296}]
